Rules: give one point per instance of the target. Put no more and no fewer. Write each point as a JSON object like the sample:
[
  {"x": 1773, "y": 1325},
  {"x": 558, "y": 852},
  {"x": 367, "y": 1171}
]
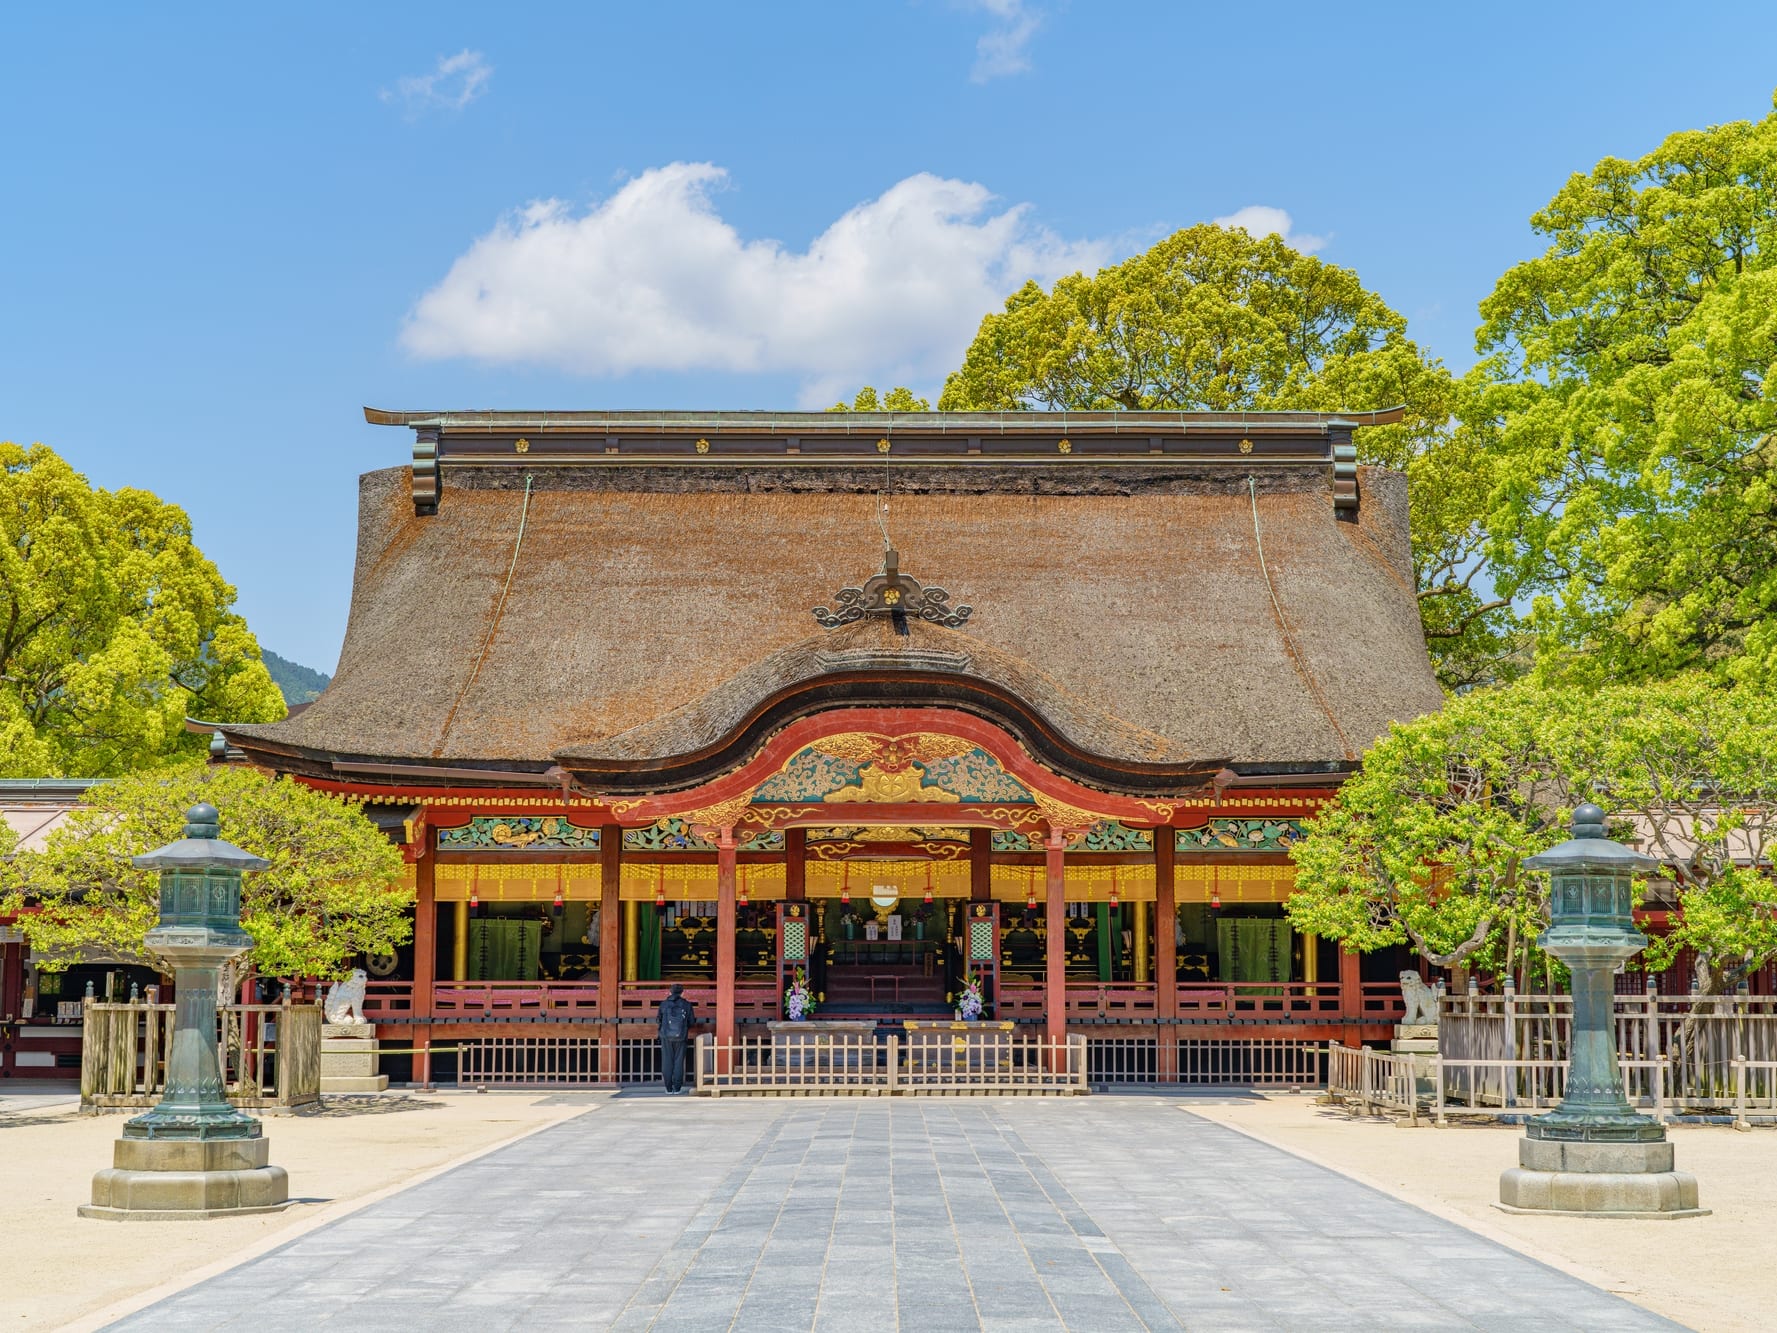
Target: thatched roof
[{"x": 652, "y": 612}]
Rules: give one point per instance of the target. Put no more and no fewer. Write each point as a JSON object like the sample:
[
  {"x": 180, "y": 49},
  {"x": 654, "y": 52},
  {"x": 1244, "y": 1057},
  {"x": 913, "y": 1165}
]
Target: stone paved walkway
[{"x": 1122, "y": 1212}]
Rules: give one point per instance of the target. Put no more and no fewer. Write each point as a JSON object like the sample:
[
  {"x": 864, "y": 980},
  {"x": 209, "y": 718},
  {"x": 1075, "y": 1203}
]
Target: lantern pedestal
[
  {"x": 173, "y": 1180},
  {"x": 1591, "y": 1179},
  {"x": 193, "y": 1156},
  {"x": 1595, "y": 1155}
]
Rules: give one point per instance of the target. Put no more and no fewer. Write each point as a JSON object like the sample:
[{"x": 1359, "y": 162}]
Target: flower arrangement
[
  {"x": 799, "y": 1000},
  {"x": 971, "y": 1002}
]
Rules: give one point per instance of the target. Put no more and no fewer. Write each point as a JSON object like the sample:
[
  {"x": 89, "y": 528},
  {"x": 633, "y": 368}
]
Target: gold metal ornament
[
  {"x": 1066, "y": 446},
  {"x": 882, "y": 446},
  {"x": 1246, "y": 446},
  {"x": 523, "y": 446},
  {"x": 703, "y": 446}
]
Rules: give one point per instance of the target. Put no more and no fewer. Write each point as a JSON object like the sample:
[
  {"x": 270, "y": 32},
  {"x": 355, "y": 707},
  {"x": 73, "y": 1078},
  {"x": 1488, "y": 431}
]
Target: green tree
[
  {"x": 1214, "y": 319},
  {"x": 113, "y": 628},
  {"x": 1696, "y": 766},
  {"x": 1425, "y": 844},
  {"x": 334, "y": 889},
  {"x": 1622, "y": 397},
  {"x": 898, "y": 399}
]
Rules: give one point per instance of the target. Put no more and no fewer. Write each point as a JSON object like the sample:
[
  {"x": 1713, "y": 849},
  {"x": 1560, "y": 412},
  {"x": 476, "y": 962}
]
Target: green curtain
[
  {"x": 648, "y": 946},
  {"x": 1253, "y": 950},
  {"x": 1110, "y": 940},
  {"x": 504, "y": 950}
]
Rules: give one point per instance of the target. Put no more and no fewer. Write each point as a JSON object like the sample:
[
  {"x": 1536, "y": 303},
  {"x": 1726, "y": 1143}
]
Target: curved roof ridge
[{"x": 875, "y": 646}]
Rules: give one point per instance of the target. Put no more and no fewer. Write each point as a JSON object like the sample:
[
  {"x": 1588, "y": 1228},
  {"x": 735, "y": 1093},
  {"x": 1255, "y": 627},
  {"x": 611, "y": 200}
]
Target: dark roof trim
[
  {"x": 866, "y": 689},
  {"x": 47, "y": 789},
  {"x": 875, "y": 423}
]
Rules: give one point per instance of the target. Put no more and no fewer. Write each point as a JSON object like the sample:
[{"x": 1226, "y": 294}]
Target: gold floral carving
[
  {"x": 1061, "y": 815},
  {"x": 885, "y": 786},
  {"x": 887, "y": 833},
  {"x": 893, "y": 752},
  {"x": 943, "y": 851},
  {"x": 723, "y": 814},
  {"x": 887, "y": 775}
]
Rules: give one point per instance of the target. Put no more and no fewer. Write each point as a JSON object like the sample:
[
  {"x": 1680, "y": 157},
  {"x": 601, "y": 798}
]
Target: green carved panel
[
  {"x": 518, "y": 833},
  {"x": 1105, "y": 836},
  {"x": 673, "y": 834},
  {"x": 1110, "y": 836},
  {"x": 1241, "y": 835},
  {"x": 667, "y": 835}
]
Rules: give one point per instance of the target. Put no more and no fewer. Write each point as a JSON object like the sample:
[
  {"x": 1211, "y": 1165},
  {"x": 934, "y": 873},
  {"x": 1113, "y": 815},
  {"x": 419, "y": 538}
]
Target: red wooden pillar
[
  {"x": 725, "y": 849},
  {"x": 1165, "y": 956},
  {"x": 610, "y": 947},
  {"x": 425, "y": 963},
  {"x": 1055, "y": 926},
  {"x": 980, "y": 865},
  {"x": 795, "y": 865},
  {"x": 1351, "y": 997},
  {"x": 12, "y": 981}
]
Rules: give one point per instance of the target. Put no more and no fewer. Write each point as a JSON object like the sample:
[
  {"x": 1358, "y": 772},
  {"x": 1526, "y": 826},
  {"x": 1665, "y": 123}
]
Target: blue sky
[{"x": 226, "y": 228}]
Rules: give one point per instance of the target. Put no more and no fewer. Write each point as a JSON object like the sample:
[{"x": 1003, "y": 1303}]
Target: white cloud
[
  {"x": 1005, "y": 48},
  {"x": 653, "y": 278},
  {"x": 453, "y": 83},
  {"x": 1259, "y": 220}
]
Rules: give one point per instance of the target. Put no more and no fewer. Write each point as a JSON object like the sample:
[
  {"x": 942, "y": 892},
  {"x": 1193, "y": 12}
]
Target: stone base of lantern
[
  {"x": 1570, "y": 1178},
  {"x": 185, "y": 1180}
]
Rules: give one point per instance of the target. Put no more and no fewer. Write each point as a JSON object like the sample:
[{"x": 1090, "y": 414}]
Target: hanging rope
[
  {"x": 524, "y": 514},
  {"x": 1289, "y": 640},
  {"x": 882, "y": 504}
]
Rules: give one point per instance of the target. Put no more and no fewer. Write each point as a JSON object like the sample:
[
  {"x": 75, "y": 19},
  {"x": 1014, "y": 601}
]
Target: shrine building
[{"x": 894, "y": 702}]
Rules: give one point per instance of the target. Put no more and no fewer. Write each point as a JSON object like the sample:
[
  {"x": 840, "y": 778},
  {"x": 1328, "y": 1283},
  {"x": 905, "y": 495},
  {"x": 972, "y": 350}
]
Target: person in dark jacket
[{"x": 676, "y": 1016}]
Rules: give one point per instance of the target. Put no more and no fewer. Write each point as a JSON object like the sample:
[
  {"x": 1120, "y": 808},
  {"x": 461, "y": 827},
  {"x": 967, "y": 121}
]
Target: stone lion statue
[
  {"x": 345, "y": 999},
  {"x": 1422, "y": 1000}
]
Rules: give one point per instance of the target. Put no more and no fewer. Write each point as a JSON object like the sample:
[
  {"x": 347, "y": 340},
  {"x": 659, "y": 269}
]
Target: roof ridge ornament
[{"x": 893, "y": 594}]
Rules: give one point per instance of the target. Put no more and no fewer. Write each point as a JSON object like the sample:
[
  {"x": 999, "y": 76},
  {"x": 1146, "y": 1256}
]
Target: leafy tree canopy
[
  {"x": 1623, "y": 403},
  {"x": 113, "y": 628},
  {"x": 333, "y": 891},
  {"x": 898, "y": 399},
  {"x": 1425, "y": 845},
  {"x": 1215, "y": 319}
]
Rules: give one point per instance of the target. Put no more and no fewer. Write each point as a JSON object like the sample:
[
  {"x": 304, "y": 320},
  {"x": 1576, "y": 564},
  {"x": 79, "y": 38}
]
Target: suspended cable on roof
[
  {"x": 524, "y": 514},
  {"x": 1289, "y": 639}
]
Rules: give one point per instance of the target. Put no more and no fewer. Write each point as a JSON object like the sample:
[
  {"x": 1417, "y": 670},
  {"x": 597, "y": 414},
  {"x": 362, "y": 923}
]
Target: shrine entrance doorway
[{"x": 885, "y": 911}]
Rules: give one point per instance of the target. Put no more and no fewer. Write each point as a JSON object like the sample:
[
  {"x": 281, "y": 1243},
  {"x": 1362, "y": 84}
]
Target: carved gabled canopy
[{"x": 892, "y": 593}]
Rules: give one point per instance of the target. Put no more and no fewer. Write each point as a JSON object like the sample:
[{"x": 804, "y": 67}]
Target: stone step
[{"x": 340, "y": 1083}]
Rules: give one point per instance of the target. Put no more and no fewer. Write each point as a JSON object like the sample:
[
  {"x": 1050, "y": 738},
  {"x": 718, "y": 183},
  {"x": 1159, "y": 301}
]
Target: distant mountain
[{"x": 299, "y": 684}]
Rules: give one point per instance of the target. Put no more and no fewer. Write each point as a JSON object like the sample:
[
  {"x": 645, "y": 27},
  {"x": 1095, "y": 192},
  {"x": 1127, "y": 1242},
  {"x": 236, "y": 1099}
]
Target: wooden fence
[
  {"x": 910, "y": 1064},
  {"x": 1698, "y": 1053},
  {"x": 1372, "y": 1081},
  {"x": 270, "y": 1053}
]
